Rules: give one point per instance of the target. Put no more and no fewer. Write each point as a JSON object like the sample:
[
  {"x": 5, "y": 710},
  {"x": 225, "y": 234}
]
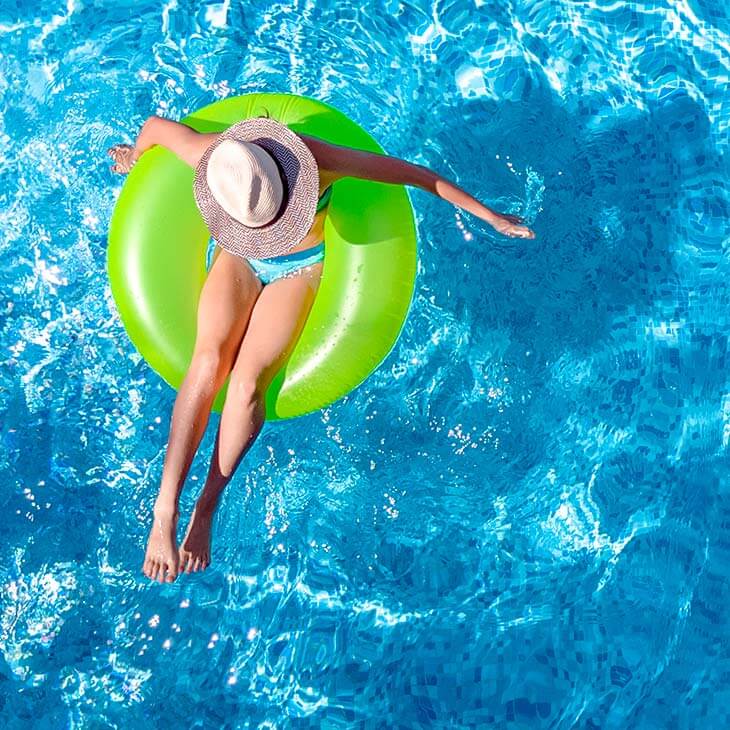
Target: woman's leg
[
  {"x": 226, "y": 301},
  {"x": 276, "y": 322}
]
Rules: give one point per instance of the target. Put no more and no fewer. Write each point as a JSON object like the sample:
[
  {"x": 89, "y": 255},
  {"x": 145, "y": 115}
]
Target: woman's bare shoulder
[
  {"x": 341, "y": 161},
  {"x": 188, "y": 144},
  {"x": 322, "y": 153}
]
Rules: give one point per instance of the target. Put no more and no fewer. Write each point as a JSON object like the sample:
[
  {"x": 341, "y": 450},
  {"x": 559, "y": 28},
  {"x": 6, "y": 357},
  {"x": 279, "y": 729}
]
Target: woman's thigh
[
  {"x": 224, "y": 309},
  {"x": 277, "y": 320}
]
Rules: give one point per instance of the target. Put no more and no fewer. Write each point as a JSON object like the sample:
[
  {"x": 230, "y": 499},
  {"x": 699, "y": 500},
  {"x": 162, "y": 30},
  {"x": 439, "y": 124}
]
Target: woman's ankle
[
  {"x": 165, "y": 510},
  {"x": 206, "y": 505}
]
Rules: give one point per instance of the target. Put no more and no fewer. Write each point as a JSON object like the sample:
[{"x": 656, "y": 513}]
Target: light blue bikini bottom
[{"x": 273, "y": 268}]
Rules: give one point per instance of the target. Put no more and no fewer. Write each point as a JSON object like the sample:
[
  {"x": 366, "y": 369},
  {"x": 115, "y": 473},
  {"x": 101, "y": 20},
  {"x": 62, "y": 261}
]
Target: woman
[{"x": 253, "y": 304}]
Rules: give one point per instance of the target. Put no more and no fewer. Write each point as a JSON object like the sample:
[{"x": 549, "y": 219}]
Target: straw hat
[{"x": 257, "y": 188}]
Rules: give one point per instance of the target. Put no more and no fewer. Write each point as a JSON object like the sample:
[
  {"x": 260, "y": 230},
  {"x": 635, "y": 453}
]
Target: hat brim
[{"x": 300, "y": 177}]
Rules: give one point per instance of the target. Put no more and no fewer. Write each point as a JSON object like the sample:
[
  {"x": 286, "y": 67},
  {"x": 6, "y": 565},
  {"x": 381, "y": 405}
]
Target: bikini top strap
[{"x": 324, "y": 198}]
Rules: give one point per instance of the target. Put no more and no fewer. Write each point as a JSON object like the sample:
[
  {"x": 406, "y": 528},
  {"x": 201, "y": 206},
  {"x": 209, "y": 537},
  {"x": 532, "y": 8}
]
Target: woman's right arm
[{"x": 180, "y": 139}]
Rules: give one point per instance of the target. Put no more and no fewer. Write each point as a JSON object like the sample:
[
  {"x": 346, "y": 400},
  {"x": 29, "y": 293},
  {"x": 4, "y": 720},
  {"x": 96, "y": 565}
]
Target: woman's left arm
[{"x": 349, "y": 162}]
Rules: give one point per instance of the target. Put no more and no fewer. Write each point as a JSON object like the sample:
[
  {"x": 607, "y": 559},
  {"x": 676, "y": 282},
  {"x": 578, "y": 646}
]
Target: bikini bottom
[{"x": 275, "y": 267}]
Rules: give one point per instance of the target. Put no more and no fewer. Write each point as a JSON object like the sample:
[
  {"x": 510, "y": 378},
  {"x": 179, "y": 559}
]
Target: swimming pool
[{"x": 519, "y": 520}]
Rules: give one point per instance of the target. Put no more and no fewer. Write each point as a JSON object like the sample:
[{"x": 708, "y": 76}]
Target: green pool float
[{"x": 156, "y": 262}]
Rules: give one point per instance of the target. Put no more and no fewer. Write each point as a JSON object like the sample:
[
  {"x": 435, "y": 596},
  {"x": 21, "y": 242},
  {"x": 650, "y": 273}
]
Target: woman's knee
[
  {"x": 209, "y": 366},
  {"x": 247, "y": 386}
]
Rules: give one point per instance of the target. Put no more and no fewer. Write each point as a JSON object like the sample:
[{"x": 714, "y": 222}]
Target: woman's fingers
[
  {"x": 523, "y": 232},
  {"x": 123, "y": 156},
  {"x": 516, "y": 231},
  {"x": 513, "y": 226},
  {"x": 119, "y": 150}
]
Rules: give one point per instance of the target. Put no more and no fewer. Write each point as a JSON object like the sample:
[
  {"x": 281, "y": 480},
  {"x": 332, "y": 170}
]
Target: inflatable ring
[{"x": 156, "y": 262}]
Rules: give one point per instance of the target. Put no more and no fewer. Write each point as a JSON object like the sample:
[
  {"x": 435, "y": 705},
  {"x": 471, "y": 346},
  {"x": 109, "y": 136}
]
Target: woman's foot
[
  {"x": 162, "y": 559},
  {"x": 195, "y": 548}
]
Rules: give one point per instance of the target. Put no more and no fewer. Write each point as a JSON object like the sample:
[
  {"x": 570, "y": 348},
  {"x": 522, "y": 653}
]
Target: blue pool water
[{"x": 520, "y": 519}]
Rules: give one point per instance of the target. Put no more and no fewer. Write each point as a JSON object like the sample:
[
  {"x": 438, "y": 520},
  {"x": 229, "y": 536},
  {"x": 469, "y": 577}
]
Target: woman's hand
[
  {"x": 125, "y": 156},
  {"x": 510, "y": 225}
]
